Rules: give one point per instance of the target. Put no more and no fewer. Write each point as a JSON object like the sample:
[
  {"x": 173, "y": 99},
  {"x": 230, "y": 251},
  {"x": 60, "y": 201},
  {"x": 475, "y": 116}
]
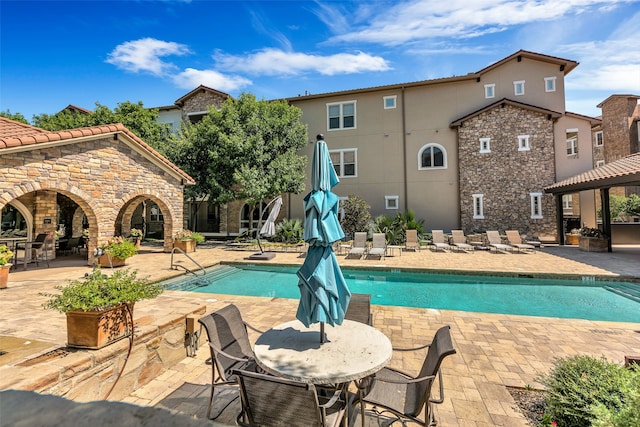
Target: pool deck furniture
[
  {"x": 495, "y": 242},
  {"x": 378, "y": 246},
  {"x": 460, "y": 241},
  {"x": 359, "y": 247},
  {"x": 513, "y": 236},
  {"x": 359, "y": 309},
  {"x": 411, "y": 240},
  {"x": 440, "y": 242},
  {"x": 392, "y": 249}
]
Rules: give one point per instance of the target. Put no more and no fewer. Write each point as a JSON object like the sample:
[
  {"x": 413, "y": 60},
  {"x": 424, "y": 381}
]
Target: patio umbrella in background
[
  {"x": 324, "y": 295},
  {"x": 268, "y": 229}
]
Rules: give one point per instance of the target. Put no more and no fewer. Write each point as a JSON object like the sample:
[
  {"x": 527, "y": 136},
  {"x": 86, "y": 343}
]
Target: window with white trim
[
  {"x": 485, "y": 145},
  {"x": 389, "y": 102},
  {"x": 549, "y": 84},
  {"x": 599, "y": 163},
  {"x": 518, "y": 87},
  {"x": 523, "y": 143},
  {"x": 341, "y": 115},
  {"x": 196, "y": 116},
  {"x": 391, "y": 202},
  {"x": 572, "y": 142},
  {"x": 598, "y": 139},
  {"x": 536, "y": 205},
  {"x": 432, "y": 156},
  {"x": 155, "y": 214},
  {"x": 478, "y": 206},
  {"x": 345, "y": 162},
  {"x": 490, "y": 90},
  {"x": 567, "y": 202}
]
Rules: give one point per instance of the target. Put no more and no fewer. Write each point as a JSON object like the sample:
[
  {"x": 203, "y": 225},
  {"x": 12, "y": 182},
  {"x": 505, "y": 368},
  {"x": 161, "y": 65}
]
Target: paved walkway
[{"x": 494, "y": 351}]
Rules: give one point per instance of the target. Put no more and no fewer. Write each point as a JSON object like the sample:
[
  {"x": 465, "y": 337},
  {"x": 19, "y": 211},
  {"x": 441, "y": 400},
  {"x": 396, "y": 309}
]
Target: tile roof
[
  {"x": 19, "y": 136},
  {"x": 621, "y": 172}
]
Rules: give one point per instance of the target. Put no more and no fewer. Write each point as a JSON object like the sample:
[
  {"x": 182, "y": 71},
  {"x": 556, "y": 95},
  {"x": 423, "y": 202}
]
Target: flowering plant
[
  {"x": 592, "y": 232},
  {"x": 5, "y": 255},
  {"x": 135, "y": 232},
  {"x": 189, "y": 235},
  {"x": 119, "y": 248}
]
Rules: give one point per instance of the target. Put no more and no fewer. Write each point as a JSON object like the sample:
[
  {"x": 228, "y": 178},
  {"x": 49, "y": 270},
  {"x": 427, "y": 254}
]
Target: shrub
[
  {"x": 582, "y": 388},
  {"x": 356, "y": 216},
  {"x": 5, "y": 255},
  {"x": 120, "y": 248},
  {"x": 289, "y": 231},
  {"x": 189, "y": 235}
]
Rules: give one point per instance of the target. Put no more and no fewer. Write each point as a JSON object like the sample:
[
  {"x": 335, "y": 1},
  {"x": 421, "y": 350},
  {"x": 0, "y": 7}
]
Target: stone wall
[
  {"x": 201, "y": 102},
  {"x": 616, "y": 127},
  {"x": 100, "y": 175},
  {"x": 506, "y": 176}
]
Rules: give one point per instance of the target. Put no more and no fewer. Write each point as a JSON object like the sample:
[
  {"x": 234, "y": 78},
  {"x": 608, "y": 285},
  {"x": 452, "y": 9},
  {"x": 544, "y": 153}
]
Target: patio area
[{"x": 493, "y": 351}]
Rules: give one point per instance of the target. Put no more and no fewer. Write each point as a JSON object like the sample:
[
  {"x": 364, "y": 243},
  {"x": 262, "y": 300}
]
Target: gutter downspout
[{"x": 404, "y": 152}]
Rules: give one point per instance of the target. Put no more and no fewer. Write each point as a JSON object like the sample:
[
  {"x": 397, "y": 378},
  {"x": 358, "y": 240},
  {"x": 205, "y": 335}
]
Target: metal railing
[{"x": 175, "y": 266}]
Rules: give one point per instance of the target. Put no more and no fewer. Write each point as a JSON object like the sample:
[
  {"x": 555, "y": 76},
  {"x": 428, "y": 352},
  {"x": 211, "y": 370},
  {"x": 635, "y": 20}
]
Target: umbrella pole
[{"x": 322, "y": 332}]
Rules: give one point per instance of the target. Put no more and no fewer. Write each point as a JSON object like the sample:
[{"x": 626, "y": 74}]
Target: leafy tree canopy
[
  {"x": 18, "y": 117},
  {"x": 246, "y": 150}
]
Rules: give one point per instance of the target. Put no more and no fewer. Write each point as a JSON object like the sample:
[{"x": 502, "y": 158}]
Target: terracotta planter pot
[
  {"x": 185, "y": 245},
  {"x": 96, "y": 329},
  {"x": 116, "y": 262},
  {"x": 4, "y": 275},
  {"x": 571, "y": 239},
  {"x": 593, "y": 244}
]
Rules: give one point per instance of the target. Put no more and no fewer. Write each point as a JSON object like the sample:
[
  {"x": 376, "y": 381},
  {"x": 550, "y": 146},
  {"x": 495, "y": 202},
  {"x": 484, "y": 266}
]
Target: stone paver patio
[{"x": 494, "y": 351}]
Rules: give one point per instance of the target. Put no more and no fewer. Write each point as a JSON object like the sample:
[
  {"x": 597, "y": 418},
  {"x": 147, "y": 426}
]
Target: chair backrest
[
  {"x": 359, "y": 308},
  {"x": 41, "y": 237},
  {"x": 274, "y": 401},
  {"x": 438, "y": 236},
  {"x": 226, "y": 331},
  {"x": 73, "y": 242},
  {"x": 494, "y": 237},
  {"x": 379, "y": 240},
  {"x": 513, "y": 236},
  {"x": 440, "y": 348},
  {"x": 412, "y": 237},
  {"x": 360, "y": 239},
  {"x": 458, "y": 236}
]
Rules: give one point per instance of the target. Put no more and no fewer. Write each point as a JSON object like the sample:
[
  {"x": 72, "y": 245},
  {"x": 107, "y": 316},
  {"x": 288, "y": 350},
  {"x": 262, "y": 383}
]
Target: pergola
[{"x": 624, "y": 172}]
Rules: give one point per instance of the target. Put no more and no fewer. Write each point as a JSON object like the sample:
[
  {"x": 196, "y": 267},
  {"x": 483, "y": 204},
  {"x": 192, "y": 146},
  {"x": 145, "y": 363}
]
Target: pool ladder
[{"x": 175, "y": 266}]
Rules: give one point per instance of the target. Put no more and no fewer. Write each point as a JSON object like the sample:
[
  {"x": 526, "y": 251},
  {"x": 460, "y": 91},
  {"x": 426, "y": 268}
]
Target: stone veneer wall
[
  {"x": 616, "y": 127},
  {"x": 201, "y": 102},
  {"x": 100, "y": 175},
  {"x": 506, "y": 176}
]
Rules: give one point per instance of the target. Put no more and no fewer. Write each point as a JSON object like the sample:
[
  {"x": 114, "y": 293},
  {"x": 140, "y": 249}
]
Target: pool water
[{"x": 586, "y": 299}]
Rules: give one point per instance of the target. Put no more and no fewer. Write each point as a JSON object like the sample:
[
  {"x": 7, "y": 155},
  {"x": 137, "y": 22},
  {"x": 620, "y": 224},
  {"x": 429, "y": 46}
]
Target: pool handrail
[{"x": 175, "y": 266}]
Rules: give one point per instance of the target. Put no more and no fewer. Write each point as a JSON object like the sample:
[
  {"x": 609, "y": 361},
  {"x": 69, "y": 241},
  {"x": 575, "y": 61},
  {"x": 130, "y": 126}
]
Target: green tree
[
  {"x": 18, "y": 117},
  {"x": 357, "y": 216},
  {"x": 631, "y": 205},
  {"x": 246, "y": 150}
]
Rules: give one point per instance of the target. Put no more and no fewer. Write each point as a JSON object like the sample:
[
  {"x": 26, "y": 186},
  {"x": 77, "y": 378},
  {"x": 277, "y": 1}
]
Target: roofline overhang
[{"x": 502, "y": 102}]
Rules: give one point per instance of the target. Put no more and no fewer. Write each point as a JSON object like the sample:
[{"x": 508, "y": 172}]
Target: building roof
[
  {"x": 621, "y": 172},
  {"x": 505, "y": 101},
  {"x": 16, "y": 137},
  {"x": 636, "y": 97},
  {"x": 75, "y": 109},
  {"x": 202, "y": 88},
  {"x": 565, "y": 65},
  {"x": 594, "y": 121}
]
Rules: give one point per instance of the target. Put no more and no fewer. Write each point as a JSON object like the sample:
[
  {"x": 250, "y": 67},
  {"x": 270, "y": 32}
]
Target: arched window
[{"x": 432, "y": 156}]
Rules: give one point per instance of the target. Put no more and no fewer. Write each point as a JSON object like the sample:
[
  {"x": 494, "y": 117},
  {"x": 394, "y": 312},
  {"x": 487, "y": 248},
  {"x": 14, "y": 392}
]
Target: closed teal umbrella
[{"x": 324, "y": 295}]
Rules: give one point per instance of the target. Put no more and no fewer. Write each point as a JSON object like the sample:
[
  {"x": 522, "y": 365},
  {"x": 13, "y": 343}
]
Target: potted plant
[
  {"x": 186, "y": 240},
  {"x": 593, "y": 240},
  {"x": 99, "y": 308},
  {"x": 116, "y": 251},
  {"x": 572, "y": 237},
  {"x": 5, "y": 257},
  {"x": 136, "y": 236}
]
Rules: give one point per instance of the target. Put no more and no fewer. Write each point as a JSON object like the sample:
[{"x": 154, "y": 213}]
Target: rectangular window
[
  {"x": 478, "y": 206},
  {"x": 599, "y": 163},
  {"x": 391, "y": 202},
  {"x": 345, "y": 162},
  {"x": 536, "y": 205},
  {"x": 155, "y": 214},
  {"x": 341, "y": 200},
  {"x": 485, "y": 145},
  {"x": 567, "y": 202},
  {"x": 490, "y": 90},
  {"x": 572, "y": 142},
  {"x": 389, "y": 102},
  {"x": 549, "y": 84},
  {"x": 523, "y": 143},
  {"x": 518, "y": 87},
  {"x": 341, "y": 115},
  {"x": 598, "y": 139}
]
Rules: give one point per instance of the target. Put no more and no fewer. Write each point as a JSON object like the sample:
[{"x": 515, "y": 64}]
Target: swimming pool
[{"x": 586, "y": 299}]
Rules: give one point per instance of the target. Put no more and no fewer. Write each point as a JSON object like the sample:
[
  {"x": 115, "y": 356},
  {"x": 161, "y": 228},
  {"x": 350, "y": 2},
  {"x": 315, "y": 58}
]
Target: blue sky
[{"x": 55, "y": 53}]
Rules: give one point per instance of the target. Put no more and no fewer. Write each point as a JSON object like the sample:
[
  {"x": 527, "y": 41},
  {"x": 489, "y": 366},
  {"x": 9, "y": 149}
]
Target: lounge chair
[
  {"x": 495, "y": 241},
  {"x": 411, "y": 240},
  {"x": 359, "y": 247},
  {"x": 397, "y": 395},
  {"x": 359, "y": 309},
  {"x": 460, "y": 241},
  {"x": 439, "y": 240},
  {"x": 513, "y": 236},
  {"x": 379, "y": 245},
  {"x": 230, "y": 348},
  {"x": 275, "y": 401}
]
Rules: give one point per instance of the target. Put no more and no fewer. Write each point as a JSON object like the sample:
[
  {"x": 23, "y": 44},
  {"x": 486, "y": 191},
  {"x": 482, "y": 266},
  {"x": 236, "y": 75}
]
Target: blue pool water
[{"x": 585, "y": 299}]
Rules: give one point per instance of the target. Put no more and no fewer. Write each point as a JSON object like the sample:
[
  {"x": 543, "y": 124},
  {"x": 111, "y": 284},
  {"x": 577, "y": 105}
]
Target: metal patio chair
[
  {"x": 359, "y": 247},
  {"x": 359, "y": 309},
  {"x": 398, "y": 396}
]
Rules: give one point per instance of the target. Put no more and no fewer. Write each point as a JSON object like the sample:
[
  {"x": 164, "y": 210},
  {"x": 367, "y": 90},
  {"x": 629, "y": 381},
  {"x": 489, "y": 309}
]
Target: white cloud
[
  {"x": 190, "y": 78},
  {"x": 145, "y": 55},
  {"x": 428, "y": 19},
  {"x": 279, "y": 62}
]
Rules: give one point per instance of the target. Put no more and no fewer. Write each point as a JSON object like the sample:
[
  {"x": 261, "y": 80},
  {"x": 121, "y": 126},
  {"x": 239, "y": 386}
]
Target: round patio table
[{"x": 351, "y": 351}]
